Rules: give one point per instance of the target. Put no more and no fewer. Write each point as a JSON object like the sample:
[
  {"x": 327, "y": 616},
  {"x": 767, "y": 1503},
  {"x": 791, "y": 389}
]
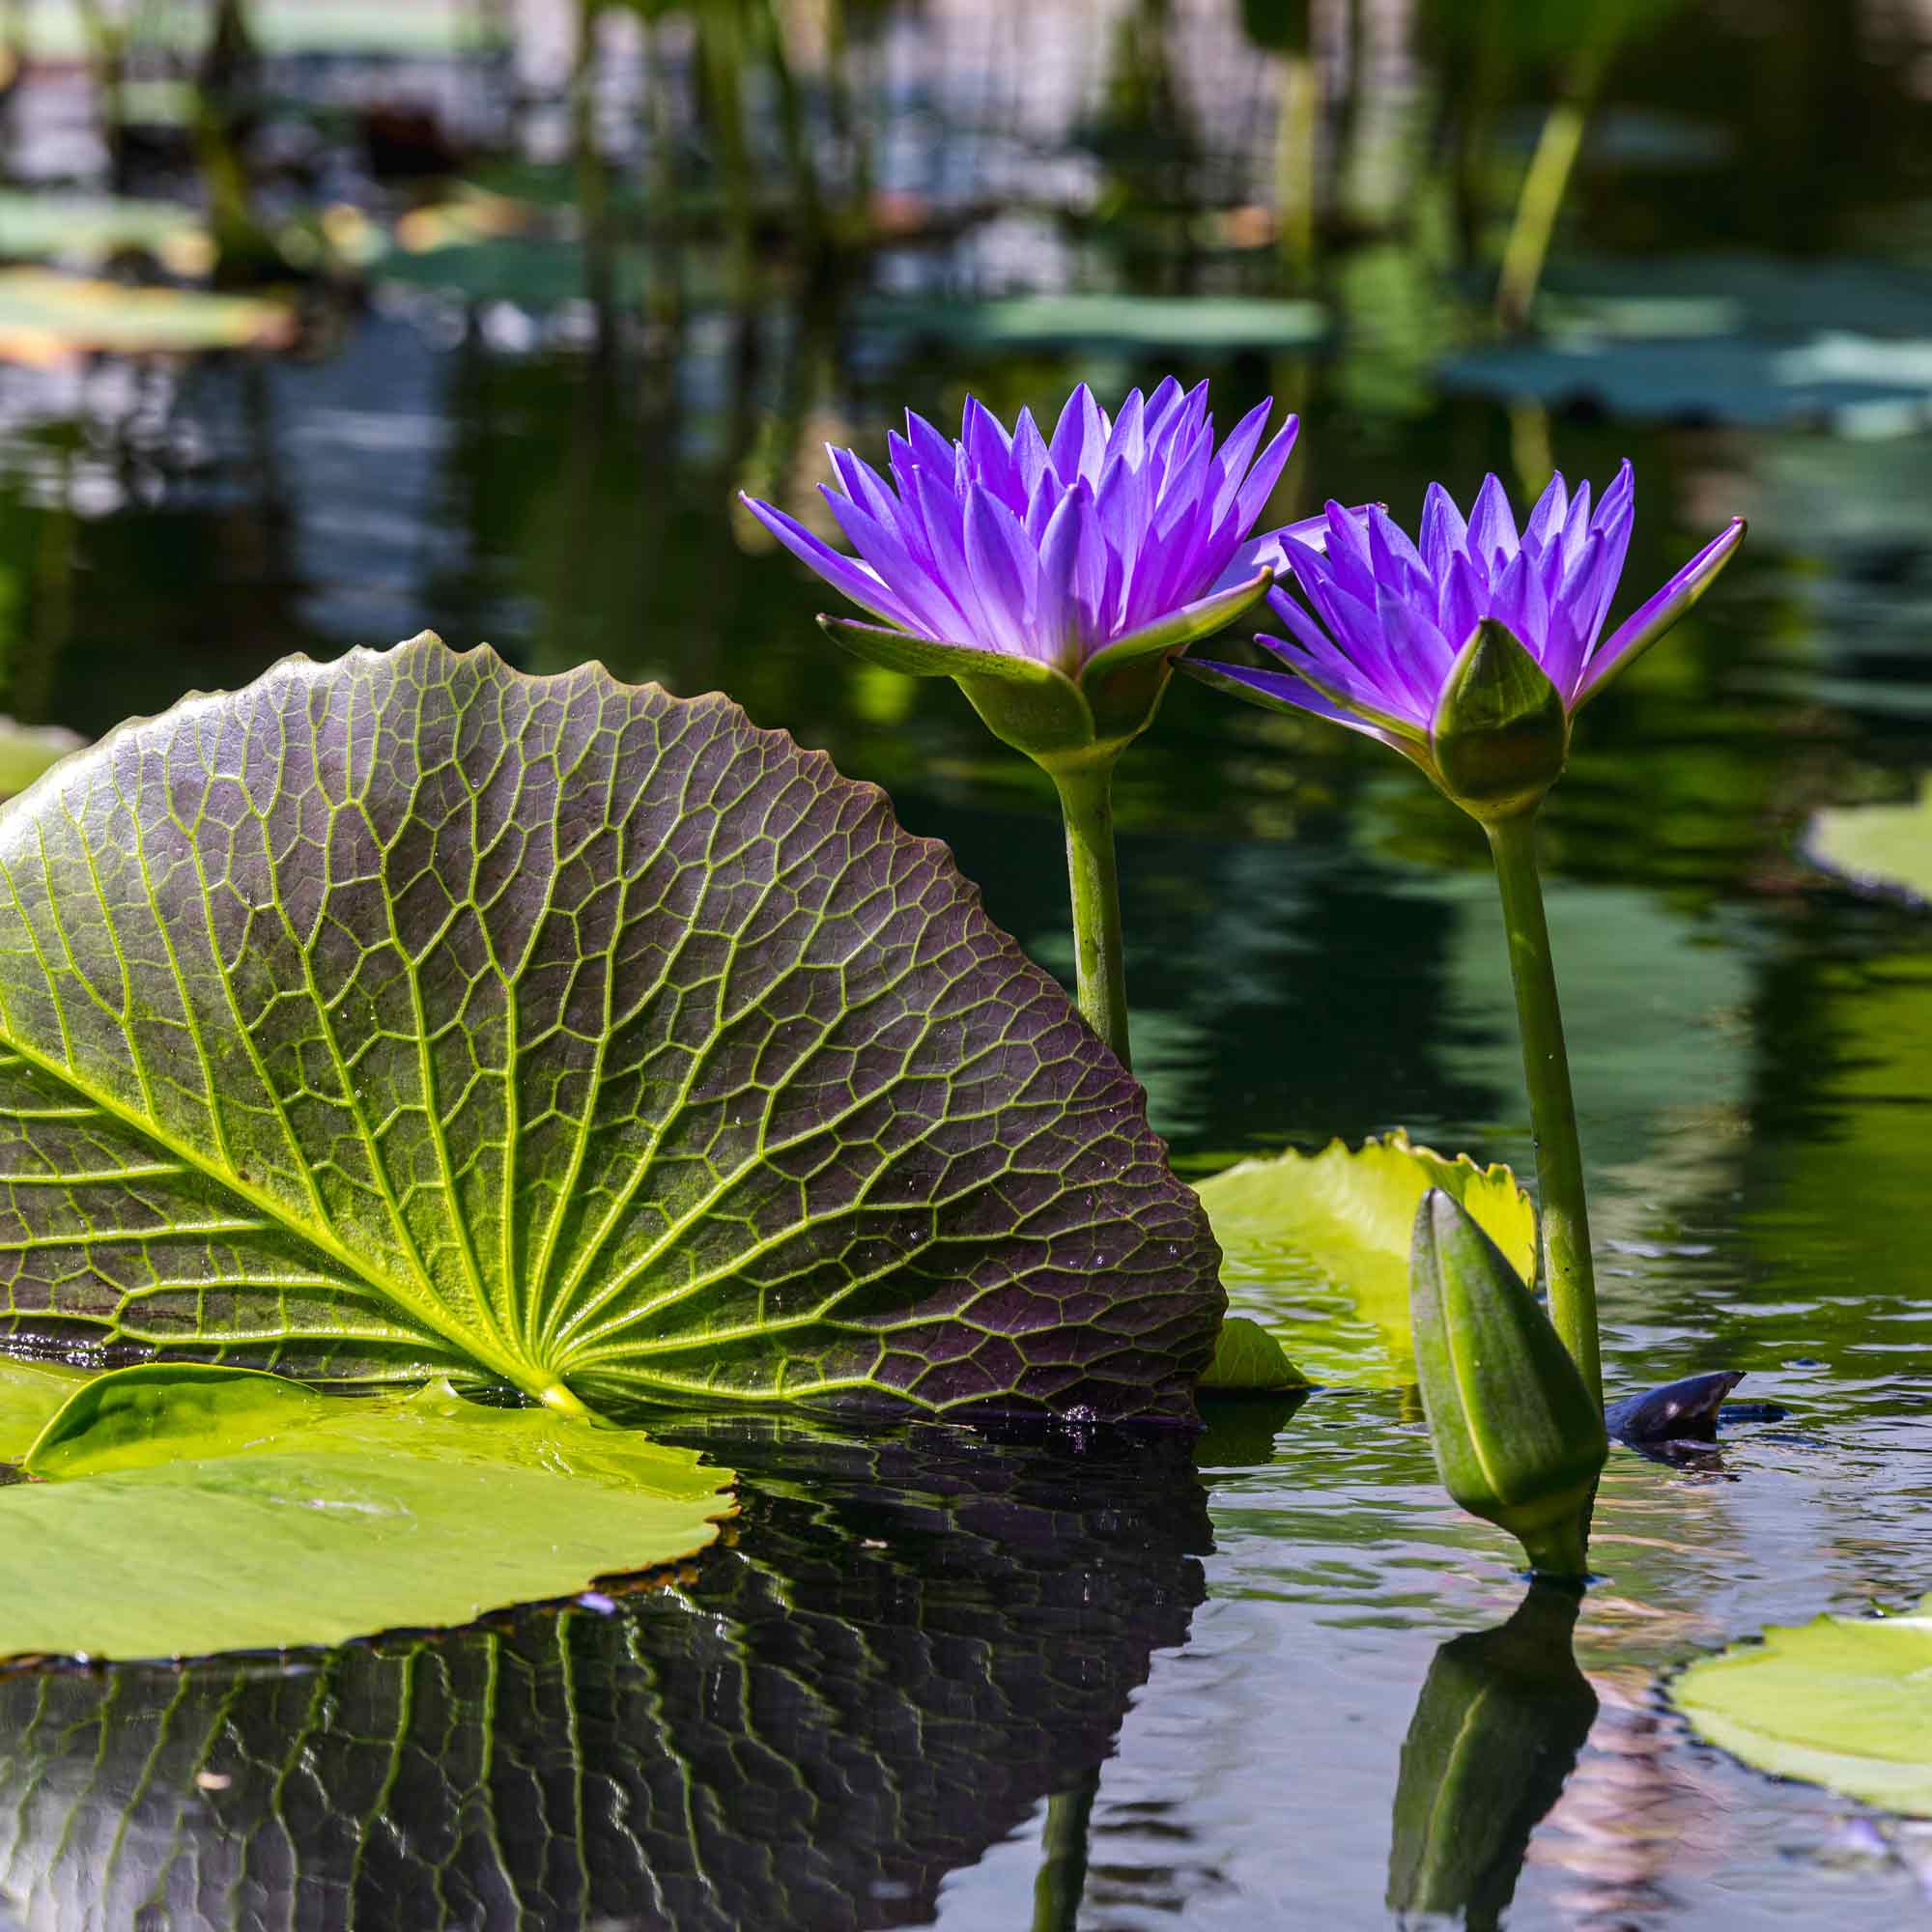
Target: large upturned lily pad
[
  {"x": 1841, "y": 1701},
  {"x": 406, "y": 1014},
  {"x": 1317, "y": 1247},
  {"x": 1885, "y": 848},
  {"x": 196, "y": 1510}
]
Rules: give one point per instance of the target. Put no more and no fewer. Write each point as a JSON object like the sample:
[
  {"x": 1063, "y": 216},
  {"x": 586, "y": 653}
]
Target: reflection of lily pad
[
  {"x": 1318, "y": 1246},
  {"x": 48, "y": 319},
  {"x": 1839, "y": 1702},
  {"x": 90, "y": 229},
  {"x": 296, "y": 1519},
  {"x": 1107, "y": 320},
  {"x": 1880, "y": 847}
]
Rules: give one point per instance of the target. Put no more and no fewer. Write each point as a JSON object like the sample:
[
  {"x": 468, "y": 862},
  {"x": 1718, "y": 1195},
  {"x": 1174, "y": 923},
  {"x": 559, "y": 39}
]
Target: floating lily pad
[
  {"x": 1879, "y": 848},
  {"x": 406, "y": 1014},
  {"x": 30, "y": 1393},
  {"x": 1248, "y": 1359},
  {"x": 1839, "y": 1702},
  {"x": 47, "y": 319},
  {"x": 204, "y": 1510},
  {"x": 1316, "y": 1246},
  {"x": 1108, "y": 320}
]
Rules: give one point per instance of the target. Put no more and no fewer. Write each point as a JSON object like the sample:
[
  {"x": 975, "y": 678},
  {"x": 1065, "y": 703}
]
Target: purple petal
[
  {"x": 1655, "y": 617},
  {"x": 1347, "y": 550},
  {"x": 1279, "y": 686},
  {"x": 1028, "y": 452},
  {"x": 1004, "y": 568},
  {"x": 990, "y": 450},
  {"x": 1266, "y": 475},
  {"x": 1417, "y": 652},
  {"x": 930, "y": 451},
  {"x": 1058, "y": 624},
  {"x": 1232, "y": 465},
  {"x": 1078, "y": 438},
  {"x": 1546, "y": 522},
  {"x": 938, "y": 613},
  {"x": 1492, "y": 537},
  {"x": 1443, "y": 531},
  {"x": 864, "y": 486},
  {"x": 851, "y": 580},
  {"x": 1128, "y": 438},
  {"x": 1517, "y": 599}
]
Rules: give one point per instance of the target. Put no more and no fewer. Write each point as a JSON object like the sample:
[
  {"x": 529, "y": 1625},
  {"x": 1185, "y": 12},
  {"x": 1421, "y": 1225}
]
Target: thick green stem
[
  {"x": 1101, "y": 967},
  {"x": 1552, "y": 1109}
]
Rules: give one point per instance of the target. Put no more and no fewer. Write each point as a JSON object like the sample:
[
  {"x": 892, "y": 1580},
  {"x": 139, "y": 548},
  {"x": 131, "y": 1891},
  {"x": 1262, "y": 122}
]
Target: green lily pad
[
  {"x": 1317, "y": 1247},
  {"x": 1839, "y": 1701},
  {"x": 1249, "y": 1360},
  {"x": 1879, "y": 848},
  {"x": 26, "y": 750},
  {"x": 30, "y": 1392},
  {"x": 197, "y": 1510},
  {"x": 93, "y": 228}
]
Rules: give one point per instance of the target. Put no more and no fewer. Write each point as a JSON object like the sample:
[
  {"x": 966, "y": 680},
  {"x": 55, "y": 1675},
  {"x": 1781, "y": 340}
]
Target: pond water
[{"x": 924, "y": 1656}]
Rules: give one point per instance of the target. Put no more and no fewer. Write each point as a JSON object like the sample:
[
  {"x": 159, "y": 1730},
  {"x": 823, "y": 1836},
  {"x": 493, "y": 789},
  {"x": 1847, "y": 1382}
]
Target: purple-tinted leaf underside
[{"x": 406, "y": 1016}]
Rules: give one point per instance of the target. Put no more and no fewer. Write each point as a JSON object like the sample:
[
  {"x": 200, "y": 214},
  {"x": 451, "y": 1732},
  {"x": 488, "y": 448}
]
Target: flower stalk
[
  {"x": 1092, "y": 877},
  {"x": 1563, "y": 1212}
]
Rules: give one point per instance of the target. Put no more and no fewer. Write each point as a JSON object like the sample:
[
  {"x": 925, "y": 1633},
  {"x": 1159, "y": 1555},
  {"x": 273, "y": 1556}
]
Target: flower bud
[
  {"x": 1517, "y": 1437},
  {"x": 1500, "y": 734}
]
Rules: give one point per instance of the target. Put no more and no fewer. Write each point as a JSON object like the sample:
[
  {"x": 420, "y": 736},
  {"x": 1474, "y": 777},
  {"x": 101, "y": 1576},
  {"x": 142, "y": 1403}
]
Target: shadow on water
[{"x": 905, "y": 1645}]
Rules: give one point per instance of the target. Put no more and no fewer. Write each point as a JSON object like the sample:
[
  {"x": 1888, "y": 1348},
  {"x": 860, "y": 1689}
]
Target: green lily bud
[
  {"x": 1519, "y": 1439},
  {"x": 1500, "y": 734},
  {"x": 1496, "y": 1731}
]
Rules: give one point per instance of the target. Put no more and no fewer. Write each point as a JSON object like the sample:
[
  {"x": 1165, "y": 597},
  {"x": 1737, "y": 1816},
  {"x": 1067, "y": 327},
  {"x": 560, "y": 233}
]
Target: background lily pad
[
  {"x": 203, "y": 1510},
  {"x": 1880, "y": 847},
  {"x": 30, "y": 1393},
  {"x": 47, "y": 319},
  {"x": 1317, "y": 1247},
  {"x": 1839, "y": 1701},
  {"x": 406, "y": 1013}
]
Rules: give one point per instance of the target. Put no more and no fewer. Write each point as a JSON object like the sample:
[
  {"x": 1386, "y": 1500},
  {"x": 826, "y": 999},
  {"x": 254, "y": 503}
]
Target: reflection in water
[
  {"x": 910, "y": 1642},
  {"x": 1498, "y": 1728}
]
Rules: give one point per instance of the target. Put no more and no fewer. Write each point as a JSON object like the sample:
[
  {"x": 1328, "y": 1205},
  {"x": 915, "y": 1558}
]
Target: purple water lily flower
[
  {"x": 1391, "y": 617},
  {"x": 1114, "y": 537}
]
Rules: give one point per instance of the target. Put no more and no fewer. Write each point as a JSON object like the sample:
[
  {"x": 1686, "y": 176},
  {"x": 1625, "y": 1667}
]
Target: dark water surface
[{"x": 855, "y": 1714}]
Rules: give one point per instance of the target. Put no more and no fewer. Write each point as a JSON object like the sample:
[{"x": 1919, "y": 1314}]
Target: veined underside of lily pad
[{"x": 409, "y": 1015}]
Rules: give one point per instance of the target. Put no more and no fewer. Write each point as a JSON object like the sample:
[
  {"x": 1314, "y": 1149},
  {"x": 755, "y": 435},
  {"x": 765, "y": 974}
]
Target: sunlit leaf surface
[
  {"x": 1316, "y": 1246},
  {"x": 1841, "y": 1701},
  {"x": 408, "y": 1013},
  {"x": 196, "y": 1510}
]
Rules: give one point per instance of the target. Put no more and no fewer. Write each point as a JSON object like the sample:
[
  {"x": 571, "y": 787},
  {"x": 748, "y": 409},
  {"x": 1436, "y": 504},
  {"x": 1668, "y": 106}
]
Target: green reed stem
[
  {"x": 1564, "y": 1215},
  {"x": 1099, "y": 960}
]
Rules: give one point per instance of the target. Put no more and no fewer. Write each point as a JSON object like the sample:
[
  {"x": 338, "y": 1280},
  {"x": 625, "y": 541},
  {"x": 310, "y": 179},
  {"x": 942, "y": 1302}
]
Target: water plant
[
  {"x": 407, "y": 1016},
  {"x": 1470, "y": 652},
  {"x": 1055, "y": 578}
]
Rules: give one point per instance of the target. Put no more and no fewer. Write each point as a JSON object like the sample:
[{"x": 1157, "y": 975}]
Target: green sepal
[
  {"x": 1047, "y": 718},
  {"x": 1518, "y": 1439},
  {"x": 1181, "y": 628},
  {"x": 1248, "y": 1361},
  {"x": 1500, "y": 733},
  {"x": 921, "y": 657}
]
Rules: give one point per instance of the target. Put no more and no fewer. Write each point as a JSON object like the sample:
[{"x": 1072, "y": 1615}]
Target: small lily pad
[
  {"x": 1879, "y": 848},
  {"x": 1249, "y": 1361},
  {"x": 1108, "y": 320},
  {"x": 1839, "y": 1701},
  {"x": 1316, "y": 1245},
  {"x": 30, "y": 1392},
  {"x": 198, "y": 1509},
  {"x": 26, "y": 750}
]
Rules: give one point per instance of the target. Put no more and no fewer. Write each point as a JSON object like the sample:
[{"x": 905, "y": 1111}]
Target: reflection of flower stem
[
  {"x": 1062, "y": 1863},
  {"x": 1552, "y": 1109},
  {"x": 1086, "y": 803},
  {"x": 1543, "y": 187}
]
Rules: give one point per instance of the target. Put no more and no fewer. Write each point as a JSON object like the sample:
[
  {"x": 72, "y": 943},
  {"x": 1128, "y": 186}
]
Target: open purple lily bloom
[
  {"x": 1115, "y": 537},
  {"x": 1393, "y": 620}
]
